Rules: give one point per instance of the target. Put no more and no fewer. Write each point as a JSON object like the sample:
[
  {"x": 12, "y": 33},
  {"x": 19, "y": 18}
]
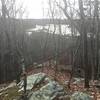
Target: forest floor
[{"x": 77, "y": 84}]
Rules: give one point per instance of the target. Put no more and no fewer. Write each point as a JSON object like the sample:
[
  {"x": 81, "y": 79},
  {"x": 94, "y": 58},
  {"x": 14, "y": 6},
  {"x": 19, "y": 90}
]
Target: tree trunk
[
  {"x": 85, "y": 49},
  {"x": 96, "y": 16}
]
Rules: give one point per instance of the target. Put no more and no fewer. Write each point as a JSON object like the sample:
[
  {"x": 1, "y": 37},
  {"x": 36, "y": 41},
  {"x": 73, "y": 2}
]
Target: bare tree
[
  {"x": 84, "y": 12},
  {"x": 9, "y": 49}
]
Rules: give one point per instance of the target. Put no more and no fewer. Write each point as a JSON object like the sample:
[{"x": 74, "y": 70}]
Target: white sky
[{"x": 35, "y": 8}]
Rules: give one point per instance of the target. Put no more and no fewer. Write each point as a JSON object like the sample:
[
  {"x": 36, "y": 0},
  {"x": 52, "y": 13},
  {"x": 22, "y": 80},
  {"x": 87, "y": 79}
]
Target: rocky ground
[{"x": 47, "y": 86}]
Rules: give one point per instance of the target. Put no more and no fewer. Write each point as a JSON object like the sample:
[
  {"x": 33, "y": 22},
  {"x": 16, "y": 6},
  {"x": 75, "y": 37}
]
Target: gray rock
[
  {"x": 48, "y": 89},
  {"x": 52, "y": 88},
  {"x": 33, "y": 80},
  {"x": 80, "y": 96},
  {"x": 78, "y": 80},
  {"x": 48, "y": 92}
]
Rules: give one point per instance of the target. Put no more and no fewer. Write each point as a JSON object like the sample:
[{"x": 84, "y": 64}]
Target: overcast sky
[{"x": 35, "y": 8}]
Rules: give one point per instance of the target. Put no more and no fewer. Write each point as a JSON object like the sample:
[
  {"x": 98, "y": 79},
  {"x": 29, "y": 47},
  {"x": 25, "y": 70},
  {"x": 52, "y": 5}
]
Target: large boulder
[
  {"x": 43, "y": 88},
  {"x": 49, "y": 91}
]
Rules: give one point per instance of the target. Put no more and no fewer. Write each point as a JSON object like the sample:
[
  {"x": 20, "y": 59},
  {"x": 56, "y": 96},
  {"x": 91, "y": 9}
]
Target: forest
[{"x": 56, "y": 57}]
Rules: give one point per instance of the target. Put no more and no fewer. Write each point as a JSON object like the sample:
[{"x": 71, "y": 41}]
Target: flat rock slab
[{"x": 33, "y": 80}]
